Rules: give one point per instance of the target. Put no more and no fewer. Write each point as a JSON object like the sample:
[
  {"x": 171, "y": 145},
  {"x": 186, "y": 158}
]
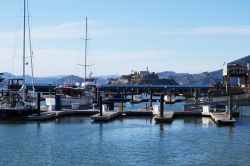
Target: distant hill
[
  {"x": 71, "y": 79},
  {"x": 243, "y": 60},
  {"x": 201, "y": 79},
  {"x": 141, "y": 79},
  {"x": 37, "y": 80},
  {"x": 60, "y": 79}
]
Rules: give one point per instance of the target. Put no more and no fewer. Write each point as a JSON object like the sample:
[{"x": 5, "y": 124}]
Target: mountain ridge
[{"x": 198, "y": 79}]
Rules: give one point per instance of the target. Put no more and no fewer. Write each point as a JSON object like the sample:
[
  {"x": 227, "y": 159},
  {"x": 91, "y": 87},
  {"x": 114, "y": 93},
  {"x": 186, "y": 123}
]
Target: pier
[{"x": 106, "y": 116}]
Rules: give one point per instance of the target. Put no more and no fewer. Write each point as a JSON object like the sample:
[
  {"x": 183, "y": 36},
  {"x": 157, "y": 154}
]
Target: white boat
[
  {"x": 90, "y": 82},
  {"x": 13, "y": 103},
  {"x": 71, "y": 96}
]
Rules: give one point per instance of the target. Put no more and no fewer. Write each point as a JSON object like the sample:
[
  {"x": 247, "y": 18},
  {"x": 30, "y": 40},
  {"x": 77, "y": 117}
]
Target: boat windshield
[
  {"x": 70, "y": 91},
  {"x": 15, "y": 84}
]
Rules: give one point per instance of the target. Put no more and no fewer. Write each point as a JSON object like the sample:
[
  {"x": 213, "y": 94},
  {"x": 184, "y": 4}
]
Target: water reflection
[
  {"x": 71, "y": 120},
  {"x": 206, "y": 122}
]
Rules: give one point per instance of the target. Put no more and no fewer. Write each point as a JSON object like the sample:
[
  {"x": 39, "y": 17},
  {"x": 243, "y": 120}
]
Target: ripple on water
[{"x": 132, "y": 141}]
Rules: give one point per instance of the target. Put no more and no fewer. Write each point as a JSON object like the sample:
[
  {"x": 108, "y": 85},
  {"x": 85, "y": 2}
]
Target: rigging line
[
  {"x": 31, "y": 51},
  {"x": 15, "y": 45}
]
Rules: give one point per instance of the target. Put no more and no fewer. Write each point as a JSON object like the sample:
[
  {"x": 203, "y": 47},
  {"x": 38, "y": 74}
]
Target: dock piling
[
  {"x": 100, "y": 105},
  {"x": 161, "y": 105},
  {"x": 230, "y": 106},
  {"x": 58, "y": 102},
  {"x": 151, "y": 97},
  {"x": 38, "y": 103},
  {"x": 111, "y": 106},
  {"x": 132, "y": 95}
]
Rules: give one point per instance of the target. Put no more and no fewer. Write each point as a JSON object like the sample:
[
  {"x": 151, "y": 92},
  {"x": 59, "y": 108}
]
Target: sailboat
[
  {"x": 90, "y": 81},
  {"x": 75, "y": 96},
  {"x": 13, "y": 102}
]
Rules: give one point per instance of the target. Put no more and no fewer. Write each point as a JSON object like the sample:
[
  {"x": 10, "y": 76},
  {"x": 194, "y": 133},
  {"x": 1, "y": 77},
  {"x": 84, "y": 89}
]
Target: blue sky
[{"x": 177, "y": 35}]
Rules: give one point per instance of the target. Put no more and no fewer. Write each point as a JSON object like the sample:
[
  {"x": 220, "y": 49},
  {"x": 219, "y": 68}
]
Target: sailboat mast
[
  {"x": 24, "y": 24},
  {"x": 31, "y": 52},
  {"x": 86, "y": 39}
]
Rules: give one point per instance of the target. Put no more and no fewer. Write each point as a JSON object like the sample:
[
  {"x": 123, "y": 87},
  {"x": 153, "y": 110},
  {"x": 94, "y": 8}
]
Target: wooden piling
[
  {"x": 151, "y": 98},
  {"x": 230, "y": 106},
  {"x": 100, "y": 105},
  {"x": 132, "y": 95},
  {"x": 58, "y": 102},
  {"x": 38, "y": 103},
  {"x": 111, "y": 106},
  {"x": 96, "y": 94},
  {"x": 161, "y": 105}
]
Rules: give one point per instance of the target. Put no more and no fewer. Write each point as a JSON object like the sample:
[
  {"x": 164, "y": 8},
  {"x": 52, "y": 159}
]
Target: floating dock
[
  {"x": 167, "y": 117},
  {"x": 138, "y": 112},
  {"x": 220, "y": 118},
  {"x": 106, "y": 116},
  {"x": 109, "y": 115},
  {"x": 48, "y": 115}
]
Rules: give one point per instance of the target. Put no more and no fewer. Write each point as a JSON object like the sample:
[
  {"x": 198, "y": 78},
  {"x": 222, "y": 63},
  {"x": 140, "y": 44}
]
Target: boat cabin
[
  {"x": 15, "y": 84},
  {"x": 71, "y": 91}
]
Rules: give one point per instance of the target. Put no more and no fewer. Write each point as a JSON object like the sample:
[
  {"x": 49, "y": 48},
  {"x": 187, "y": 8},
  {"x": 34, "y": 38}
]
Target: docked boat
[
  {"x": 90, "y": 82},
  {"x": 71, "y": 96},
  {"x": 13, "y": 105},
  {"x": 13, "y": 99},
  {"x": 76, "y": 96}
]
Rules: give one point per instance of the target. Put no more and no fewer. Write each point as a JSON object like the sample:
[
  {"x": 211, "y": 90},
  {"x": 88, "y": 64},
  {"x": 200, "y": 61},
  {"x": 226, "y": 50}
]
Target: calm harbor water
[{"x": 125, "y": 141}]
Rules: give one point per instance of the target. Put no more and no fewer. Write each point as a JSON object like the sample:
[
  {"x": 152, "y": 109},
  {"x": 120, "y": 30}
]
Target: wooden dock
[
  {"x": 49, "y": 115},
  {"x": 167, "y": 117},
  {"x": 43, "y": 116},
  {"x": 106, "y": 116},
  {"x": 221, "y": 118},
  {"x": 138, "y": 112}
]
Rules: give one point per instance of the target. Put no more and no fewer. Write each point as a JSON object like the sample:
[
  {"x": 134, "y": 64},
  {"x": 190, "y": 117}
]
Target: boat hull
[
  {"x": 6, "y": 113},
  {"x": 69, "y": 101}
]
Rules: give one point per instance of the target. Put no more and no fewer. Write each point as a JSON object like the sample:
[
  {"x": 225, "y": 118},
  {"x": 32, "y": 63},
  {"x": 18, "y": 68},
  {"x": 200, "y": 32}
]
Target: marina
[{"x": 126, "y": 83}]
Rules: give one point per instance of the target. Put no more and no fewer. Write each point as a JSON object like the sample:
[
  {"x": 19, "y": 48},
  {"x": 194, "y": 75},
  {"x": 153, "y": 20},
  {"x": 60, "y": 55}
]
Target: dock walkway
[
  {"x": 109, "y": 115},
  {"x": 220, "y": 118},
  {"x": 48, "y": 115},
  {"x": 167, "y": 117},
  {"x": 106, "y": 116}
]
